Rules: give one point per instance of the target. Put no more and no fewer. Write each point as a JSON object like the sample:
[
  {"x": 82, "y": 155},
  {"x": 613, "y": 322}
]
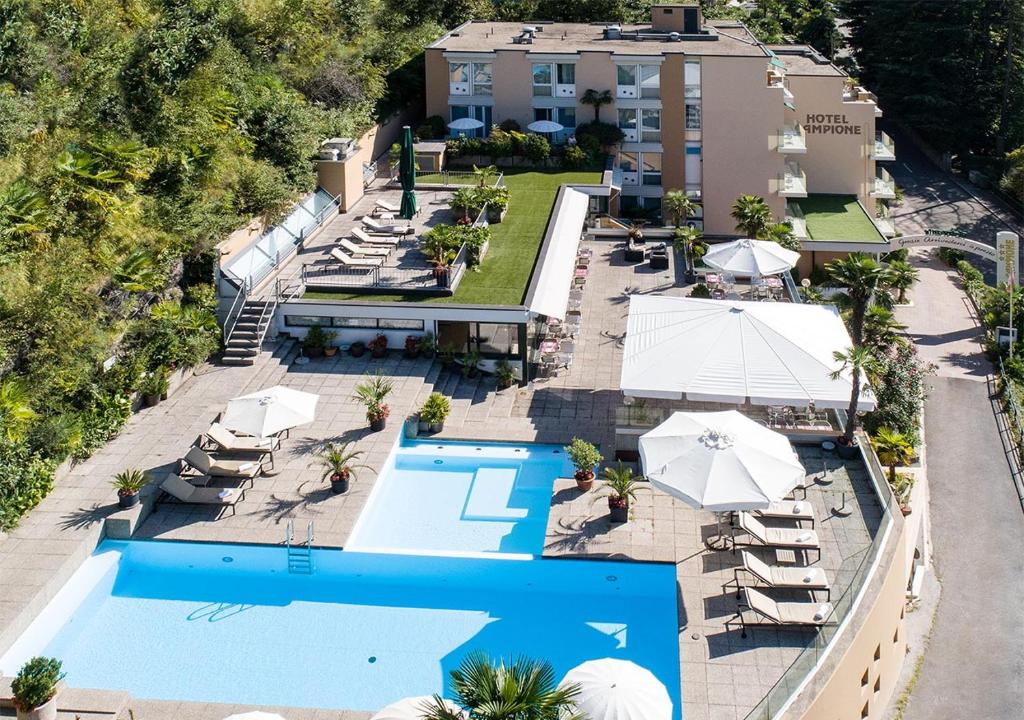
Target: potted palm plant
[
  {"x": 337, "y": 460},
  {"x": 314, "y": 342},
  {"x": 584, "y": 457},
  {"x": 428, "y": 345},
  {"x": 621, "y": 489},
  {"x": 372, "y": 392},
  {"x": 129, "y": 483},
  {"x": 505, "y": 374},
  {"x": 434, "y": 411},
  {"x": 35, "y": 689},
  {"x": 471, "y": 364},
  {"x": 154, "y": 387}
]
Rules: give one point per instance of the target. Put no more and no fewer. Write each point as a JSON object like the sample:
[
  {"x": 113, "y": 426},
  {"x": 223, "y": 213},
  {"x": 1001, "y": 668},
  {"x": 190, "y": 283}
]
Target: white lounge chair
[
  {"x": 392, "y": 229},
  {"x": 185, "y": 492},
  {"x": 347, "y": 260},
  {"x": 789, "y": 538},
  {"x": 765, "y": 611},
  {"x": 364, "y": 250},
  {"x": 361, "y": 235},
  {"x": 812, "y": 579},
  {"x": 798, "y": 510},
  {"x": 197, "y": 459},
  {"x": 386, "y": 206},
  {"x": 223, "y": 439}
]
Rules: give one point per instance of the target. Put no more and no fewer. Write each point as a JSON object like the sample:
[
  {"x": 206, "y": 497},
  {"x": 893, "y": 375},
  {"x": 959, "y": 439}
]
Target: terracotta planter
[
  {"x": 330, "y": 351},
  {"x": 585, "y": 481},
  {"x": 339, "y": 484},
  {"x": 618, "y": 513},
  {"x": 906, "y": 510},
  {"x": 127, "y": 501},
  {"x": 46, "y": 711}
]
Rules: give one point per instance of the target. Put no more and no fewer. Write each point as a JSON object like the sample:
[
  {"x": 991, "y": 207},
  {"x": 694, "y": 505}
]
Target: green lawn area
[
  {"x": 838, "y": 218},
  {"x": 505, "y": 273}
]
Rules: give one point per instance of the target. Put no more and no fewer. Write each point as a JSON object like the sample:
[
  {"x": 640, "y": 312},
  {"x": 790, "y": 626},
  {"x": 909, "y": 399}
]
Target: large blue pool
[{"x": 228, "y": 623}]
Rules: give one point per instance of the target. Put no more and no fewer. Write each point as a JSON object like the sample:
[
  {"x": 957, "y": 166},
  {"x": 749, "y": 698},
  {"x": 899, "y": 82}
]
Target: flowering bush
[{"x": 899, "y": 386}]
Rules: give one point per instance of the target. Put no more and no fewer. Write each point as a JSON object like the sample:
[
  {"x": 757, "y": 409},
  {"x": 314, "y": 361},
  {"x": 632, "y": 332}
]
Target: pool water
[
  {"x": 456, "y": 497},
  {"x": 228, "y": 623}
]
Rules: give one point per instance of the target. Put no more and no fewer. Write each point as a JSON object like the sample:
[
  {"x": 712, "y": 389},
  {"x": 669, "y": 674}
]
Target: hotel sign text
[{"x": 830, "y": 124}]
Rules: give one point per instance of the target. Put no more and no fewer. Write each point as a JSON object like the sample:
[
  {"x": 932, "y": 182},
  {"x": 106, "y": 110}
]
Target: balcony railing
[
  {"x": 795, "y": 217},
  {"x": 884, "y": 148},
  {"x": 884, "y": 187},
  {"x": 792, "y": 139},
  {"x": 856, "y": 93},
  {"x": 793, "y": 181}
]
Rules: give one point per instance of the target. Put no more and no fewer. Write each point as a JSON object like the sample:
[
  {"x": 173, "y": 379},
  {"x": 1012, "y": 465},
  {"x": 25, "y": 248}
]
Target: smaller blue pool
[{"x": 454, "y": 497}]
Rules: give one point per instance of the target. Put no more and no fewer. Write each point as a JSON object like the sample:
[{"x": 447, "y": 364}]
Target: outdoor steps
[
  {"x": 74, "y": 702},
  {"x": 248, "y": 332}
]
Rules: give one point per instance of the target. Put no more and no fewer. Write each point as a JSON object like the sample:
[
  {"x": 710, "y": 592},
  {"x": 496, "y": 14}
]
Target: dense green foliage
[{"x": 777, "y": 21}]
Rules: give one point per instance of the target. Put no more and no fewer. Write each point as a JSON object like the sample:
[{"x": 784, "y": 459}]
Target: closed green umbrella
[{"x": 407, "y": 175}]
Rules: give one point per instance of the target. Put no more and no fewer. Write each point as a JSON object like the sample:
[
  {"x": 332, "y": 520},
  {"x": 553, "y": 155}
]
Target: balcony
[
  {"x": 857, "y": 94},
  {"x": 884, "y": 187},
  {"x": 792, "y": 140},
  {"x": 793, "y": 182},
  {"x": 885, "y": 226},
  {"x": 795, "y": 217},
  {"x": 884, "y": 149}
]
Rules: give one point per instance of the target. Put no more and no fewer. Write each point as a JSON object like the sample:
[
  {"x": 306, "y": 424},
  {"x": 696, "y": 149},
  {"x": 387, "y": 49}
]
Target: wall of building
[
  {"x": 513, "y": 87},
  {"x": 436, "y": 81},
  {"x": 741, "y": 117},
  {"x": 673, "y": 123}
]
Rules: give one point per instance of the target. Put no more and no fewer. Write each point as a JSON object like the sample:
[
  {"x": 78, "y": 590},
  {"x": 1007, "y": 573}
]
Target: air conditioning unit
[{"x": 613, "y": 32}]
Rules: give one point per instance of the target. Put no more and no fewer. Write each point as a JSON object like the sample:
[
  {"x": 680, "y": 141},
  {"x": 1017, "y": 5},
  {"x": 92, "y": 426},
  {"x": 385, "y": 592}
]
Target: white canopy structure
[
  {"x": 545, "y": 126},
  {"x": 413, "y": 708},
  {"x": 736, "y": 352},
  {"x": 751, "y": 258},
  {"x": 268, "y": 412},
  {"x": 549, "y": 291},
  {"x": 466, "y": 123}
]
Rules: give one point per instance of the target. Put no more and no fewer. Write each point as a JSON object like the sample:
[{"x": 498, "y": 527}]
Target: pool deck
[{"x": 722, "y": 675}]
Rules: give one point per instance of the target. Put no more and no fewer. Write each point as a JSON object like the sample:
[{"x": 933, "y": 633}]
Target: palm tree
[
  {"x": 522, "y": 690},
  {"x": 485, "y": 174},
  {"x": 862, "y": 276},
  {"x": 893, "y": 448},
  {"x": 752, "y": 215},
  {"x": 678, "y": 206},
  {"x": 16, "y": 414},
  {"x": 337, "y": 460},
  {"x": 781, "y": 233},
  {"x": 621, "y": 484},
  {"x": 858, "y": 359},
  {"x": 881, "y": 329},
  {"x": 597, "y": 98},
  {"x": 372, "y": 392},
  {"x": 902, "y": 276}
]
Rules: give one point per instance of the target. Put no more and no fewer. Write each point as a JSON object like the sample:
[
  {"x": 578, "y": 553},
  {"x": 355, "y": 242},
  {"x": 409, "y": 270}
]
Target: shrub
[
  {"x": 444, "y": 241},
  {"x": 25, "y": 478},
  {"x": 604, "y": 133},
  {"x": 36, "y": 683},
  {"x": 494, "y": 197},
  {"x": 509, "y": 125},
  {"x": 700, "y": 290},
  {"x": 899, "y": 386},
  {"x": 536, "y": 148},
  {"x": 575, "y": 157},
  {"x": 435, "y": 409},
  {"x": 950, "y": 256},
  {"x": 584, "y": 456}
]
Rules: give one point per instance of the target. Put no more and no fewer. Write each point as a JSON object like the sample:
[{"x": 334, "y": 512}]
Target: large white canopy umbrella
[
  {"x": 466, "y": 123},
  {"x": 613, "y": 689},
  {"x": 751, "y": 258},
  {"x": 545, "y": 126},
  {"x": 268, "y": 412},
  {"x": 254, "y": 715},
  {"x": 412, "y": 708},
  {"x": 719, "y": 461}
]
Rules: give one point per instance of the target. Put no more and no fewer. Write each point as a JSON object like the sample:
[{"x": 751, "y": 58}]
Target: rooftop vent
[
  {"x": 337, "y": 148},
  {"x": 613, "y": 32},
  {"x": 675, "y": 37}
]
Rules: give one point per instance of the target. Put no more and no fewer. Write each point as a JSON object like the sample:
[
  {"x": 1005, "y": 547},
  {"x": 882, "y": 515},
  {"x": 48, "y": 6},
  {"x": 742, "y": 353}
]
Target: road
[{"x": 974, "y": 664}]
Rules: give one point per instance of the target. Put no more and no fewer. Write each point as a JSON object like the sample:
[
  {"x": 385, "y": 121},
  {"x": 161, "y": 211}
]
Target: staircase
[
  {"x": 244, "y": 338},
  {"x": 300, "y": 557}
]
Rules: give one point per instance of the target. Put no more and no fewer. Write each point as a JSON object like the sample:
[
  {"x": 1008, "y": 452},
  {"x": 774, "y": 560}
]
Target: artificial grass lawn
[
  {"x": 838, "y": 218},
  {"x": 505, "y": 273}
]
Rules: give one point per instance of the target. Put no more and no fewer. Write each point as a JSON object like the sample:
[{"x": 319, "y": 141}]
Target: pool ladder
[{"x": 300, "y": 556}]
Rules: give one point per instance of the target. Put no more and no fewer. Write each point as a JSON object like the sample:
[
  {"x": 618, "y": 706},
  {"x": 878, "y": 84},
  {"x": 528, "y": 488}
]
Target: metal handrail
[{"x": 237, "y": 304}]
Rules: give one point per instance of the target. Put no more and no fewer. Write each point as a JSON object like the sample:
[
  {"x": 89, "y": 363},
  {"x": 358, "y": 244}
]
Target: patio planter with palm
[{"x": 339, "y": 466}]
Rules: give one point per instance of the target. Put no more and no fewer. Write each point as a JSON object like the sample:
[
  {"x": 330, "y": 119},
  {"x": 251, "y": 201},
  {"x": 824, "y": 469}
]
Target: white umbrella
[
  {"x": 412, "y": 708},
  {"x": 545, "y": 126},
  {"x": 465, "y": 123},
  {"x": 268, "y": 412},
  {"x": 613, "y": 689},
  {"x": 719, "y": 461},
  {"x": 255, "y": 715},
  {"x": 751, "y": 258}
]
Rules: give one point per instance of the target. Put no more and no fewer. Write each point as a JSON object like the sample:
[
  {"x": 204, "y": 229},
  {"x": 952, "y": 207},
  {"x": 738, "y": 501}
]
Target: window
[
  {"x": 541, "y": 114},
  {"x": 393, "y": 324},
  {"x": 567, "y": 117},
  {"x": 626, "y": 75},
  {"x": 566, "y": 74},
  {"x": 635, "y": 81},
  {"x": 651, "y": 164},
  {"x": 650, "y": 81},
  {"x": 483, "y": 113},
  {"x": 482, "y": 80},
  {"x": 692, "y": 116},
  {"x": 355, "y": 322},
  {"x": 693, "y": 164},
  {"x": 306, "y": 321},
  {"x": 650, "y": 125},
  {"x": 691, "y": 73},
  {"x": 498, "y": 339},
  {"x": 627, "y": 124},
  {"x": 458, "y": 72},
  {"x": 628, "y": 162},
  {"x": 542, "y": 79}
]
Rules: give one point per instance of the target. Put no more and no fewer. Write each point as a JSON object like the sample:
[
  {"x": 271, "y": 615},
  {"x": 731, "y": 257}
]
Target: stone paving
[{"x": 723, "y": 676}]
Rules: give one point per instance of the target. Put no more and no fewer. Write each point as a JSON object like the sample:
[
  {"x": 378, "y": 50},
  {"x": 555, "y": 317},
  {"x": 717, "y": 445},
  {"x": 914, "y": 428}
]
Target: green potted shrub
[
  {"x": 471, "y": 364},
  {"x": 154, "y": 387},
  {"x": 584, "y": 457},
  {"x": 129, "y": 483},
  {"x": 700, "y": 290},
  {"x": 379, "y": 346},
  {"x": 428, "y": 345},
  {"x": 330, "y": 349},
  {"x": 621, "y": 487},
  {"x": 35, "y": 689},
  {"x": 505, "y": 374},
  {"x": 337, "y": 460},
  {"x": 357, "y": 349},
  {"x": 372, "y": 392},
  {"x": 314, "y": 342},
  {"x": 435, "y": 411},
  {"x": 447, "y": 353}
]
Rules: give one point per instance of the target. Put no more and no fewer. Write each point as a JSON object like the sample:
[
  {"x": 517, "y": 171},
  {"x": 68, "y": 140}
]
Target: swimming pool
[
  {"x": 228, "y": 623},
  {"x": 459, "y": 497}
]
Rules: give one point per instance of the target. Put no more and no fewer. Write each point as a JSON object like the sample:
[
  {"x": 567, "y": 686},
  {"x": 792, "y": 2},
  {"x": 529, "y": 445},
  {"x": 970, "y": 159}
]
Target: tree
[
  {"x": 881, "y": 329},
  {"x": 858, "y": 360},
  {"x": 523, "y": 690},
  {"x": 752, "y": 215},
  {"x": 817, "y": 28},
  {"x": 685, "y": 241},
  {"x": 782, "y": 233},
  {"x": 893, "y": 449},
  {"x": 678, "y": 206},
  {"x": 485, "y": 174},
  {"x": 862, "y": 276},
  {"x": 596, "y": 98},
  {"x": 902, "y": 276},
  {"x": 16, "y": 414}
]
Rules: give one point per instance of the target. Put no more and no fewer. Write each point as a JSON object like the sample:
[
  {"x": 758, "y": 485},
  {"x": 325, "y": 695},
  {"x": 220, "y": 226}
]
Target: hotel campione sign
[{"x": 830, "y": 124}]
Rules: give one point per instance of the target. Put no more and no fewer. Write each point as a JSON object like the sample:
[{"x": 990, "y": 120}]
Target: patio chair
[
  {"x": 197, "y": 459},
  {"x": 812, "y": 579},
  {"x": 349, "y": 261},
  {"x": 364, "y": 249},
  {"x": 759, "y": 609},
  {"x": 361, "y": 235},
  {"x": 787, "y": 538},
  {"x": 219, "y": 437},
  {"x": 177, "y": 489},
  {"x": 798, "y": 510},
  {"x": 386, "y": 206},
  {"x": 386, "y": 229}
]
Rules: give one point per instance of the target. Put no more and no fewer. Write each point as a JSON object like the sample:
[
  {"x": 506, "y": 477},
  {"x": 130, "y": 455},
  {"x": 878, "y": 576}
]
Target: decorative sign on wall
[
  {"x": 829, "y": 124},
  {"x": 1005, "y": 254}
]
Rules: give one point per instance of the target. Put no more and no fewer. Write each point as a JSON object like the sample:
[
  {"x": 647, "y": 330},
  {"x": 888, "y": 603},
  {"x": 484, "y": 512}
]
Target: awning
[
  {"x": 551, "y": 287},
  {"x": 734, "y": 352}
]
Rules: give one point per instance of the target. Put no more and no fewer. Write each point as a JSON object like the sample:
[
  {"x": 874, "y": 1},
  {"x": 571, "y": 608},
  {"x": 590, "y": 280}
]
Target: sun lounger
[
  {"x": 185, "y": 492},
  {"x": 798, "y": 510},
  {"x": 759, "y": 609},
  {"x": 378, "y": 227},
  {"x": 791, "y": 538},
  {"x": 364, "y": 250},
  {"x": 812, "y": 579},
  {"x": 197, "y": 459},
  {"x": 220, "y": 438},
  {"x": 361, "y": 235},
  {"x": 349, "y": 261},
  {"x": 386, "y": 206}
]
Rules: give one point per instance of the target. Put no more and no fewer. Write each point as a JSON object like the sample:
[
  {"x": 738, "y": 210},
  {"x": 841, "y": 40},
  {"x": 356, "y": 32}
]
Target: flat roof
[
  {"x": 724, "y": 38},
  {"x": 805, "y": 60},
  {"x": 837, "y": 218}
]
